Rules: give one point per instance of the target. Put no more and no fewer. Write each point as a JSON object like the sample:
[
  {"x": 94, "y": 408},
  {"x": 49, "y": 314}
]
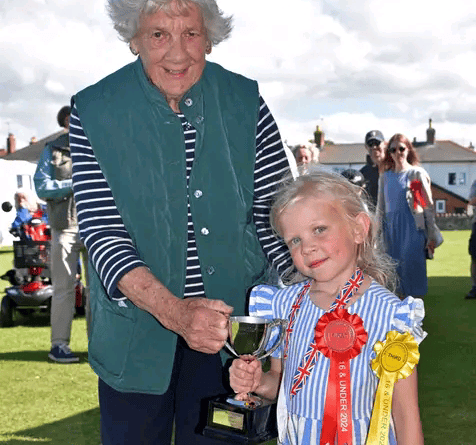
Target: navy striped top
[{"x": 101, "y": 228}]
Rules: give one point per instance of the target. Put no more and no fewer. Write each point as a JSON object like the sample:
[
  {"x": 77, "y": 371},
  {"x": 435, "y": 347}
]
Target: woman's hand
[
  {"x": 203, "y": 323},
  {"x": 431, "y": 244},
  {"x": 245, "y": 374}
]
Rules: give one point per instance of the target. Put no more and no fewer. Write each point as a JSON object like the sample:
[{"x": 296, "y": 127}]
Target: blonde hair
[{"x": 371, "y": 259}]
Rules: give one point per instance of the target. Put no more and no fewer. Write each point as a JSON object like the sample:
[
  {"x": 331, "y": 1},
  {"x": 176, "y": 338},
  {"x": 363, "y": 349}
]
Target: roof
[
  {"x": 343, "y": 154},
  {"x": 440, "y": 151},
  {"x": 445, "y": 151},
  {"x": 32, "y": 152}
]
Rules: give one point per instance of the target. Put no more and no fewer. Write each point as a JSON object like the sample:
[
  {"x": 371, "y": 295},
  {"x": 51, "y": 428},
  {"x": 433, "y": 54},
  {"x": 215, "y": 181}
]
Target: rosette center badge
[
  {"x": 394, "y": 357},
  {"x": 339, "y": 335}
]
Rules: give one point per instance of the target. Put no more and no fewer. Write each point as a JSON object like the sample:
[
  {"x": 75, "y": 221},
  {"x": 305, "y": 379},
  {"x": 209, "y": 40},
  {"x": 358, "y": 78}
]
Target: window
[
  {"x": 462, "y": 179},
  {"x": 451, "y": 178},
  {"x": 24, "y": 181},
  {"x": 440, "y": 206}
]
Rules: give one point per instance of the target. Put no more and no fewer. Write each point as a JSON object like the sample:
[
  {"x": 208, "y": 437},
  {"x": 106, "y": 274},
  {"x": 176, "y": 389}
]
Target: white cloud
[{"x": 347, "y": 66}]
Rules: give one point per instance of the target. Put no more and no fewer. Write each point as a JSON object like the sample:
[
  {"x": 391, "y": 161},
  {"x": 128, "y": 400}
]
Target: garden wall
[{"x": 453, "y": 221}]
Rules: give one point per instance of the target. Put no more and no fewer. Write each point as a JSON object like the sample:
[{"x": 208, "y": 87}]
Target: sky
[{"x": 347, "y": 66}]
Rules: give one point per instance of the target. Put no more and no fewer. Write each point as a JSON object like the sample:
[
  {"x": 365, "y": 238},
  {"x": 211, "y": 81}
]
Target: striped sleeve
[
  {"x": 271, "y": 168},
  {"x": 261, "y": 305},
  {"x": 101, "y": 228}
]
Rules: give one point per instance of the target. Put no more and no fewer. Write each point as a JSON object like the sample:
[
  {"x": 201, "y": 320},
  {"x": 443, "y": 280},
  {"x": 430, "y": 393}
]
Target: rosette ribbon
[
  {"x": 340, "y": 337},
  {"x": 396, "y": 358},
  {"x": 416, "y": 188}
]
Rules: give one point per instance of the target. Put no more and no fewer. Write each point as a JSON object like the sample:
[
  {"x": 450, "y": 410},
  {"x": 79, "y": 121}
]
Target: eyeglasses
[
  {"x": 373, "y": 144},
  {"x": 394, "y": 149}
]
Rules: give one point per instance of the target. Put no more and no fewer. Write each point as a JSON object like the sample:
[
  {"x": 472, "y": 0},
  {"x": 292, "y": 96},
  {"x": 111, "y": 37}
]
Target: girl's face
[{"x": 322, "y": 242}]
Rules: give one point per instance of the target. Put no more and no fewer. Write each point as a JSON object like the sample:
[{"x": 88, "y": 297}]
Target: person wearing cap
[{"x": 375, "y": 145}]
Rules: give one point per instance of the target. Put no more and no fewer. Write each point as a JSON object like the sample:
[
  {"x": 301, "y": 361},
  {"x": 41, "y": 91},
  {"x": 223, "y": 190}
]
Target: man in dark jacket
[{"x": 375, "y": 145}]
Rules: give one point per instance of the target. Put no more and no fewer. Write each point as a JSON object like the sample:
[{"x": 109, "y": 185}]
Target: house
[
  {"x": 17, "y": 168},
  {"x": 452, "y": 167}
]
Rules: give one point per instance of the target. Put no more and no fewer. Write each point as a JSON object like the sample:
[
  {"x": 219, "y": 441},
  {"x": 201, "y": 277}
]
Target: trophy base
[{"x": 241, "y": 424}]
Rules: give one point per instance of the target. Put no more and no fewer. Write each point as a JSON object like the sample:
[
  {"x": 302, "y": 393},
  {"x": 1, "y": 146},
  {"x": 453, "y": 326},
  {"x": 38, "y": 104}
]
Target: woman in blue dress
[{"x": 406, "y": 209}]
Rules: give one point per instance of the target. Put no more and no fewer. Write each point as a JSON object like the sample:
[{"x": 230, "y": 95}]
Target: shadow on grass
[
  {"x": 80, "y": 429},
  {"x": 38, "y": 356},
  {"x": 36, "y": 319}
]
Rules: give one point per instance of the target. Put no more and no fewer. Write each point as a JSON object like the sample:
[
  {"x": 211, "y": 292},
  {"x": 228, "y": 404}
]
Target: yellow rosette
[{"x": 396, "y": 358}]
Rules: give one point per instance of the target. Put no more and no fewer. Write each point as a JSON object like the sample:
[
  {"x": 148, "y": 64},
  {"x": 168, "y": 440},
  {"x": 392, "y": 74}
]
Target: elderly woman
[
  {"x": 24, "y": 209},
  {"x": 405, "y": 204},
  {"x": 175, "y": 160}
]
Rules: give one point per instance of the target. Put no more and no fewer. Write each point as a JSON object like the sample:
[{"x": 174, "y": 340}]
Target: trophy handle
[
  {"x": 230, "y": 348},
  {"x": 282, "y": 324}
]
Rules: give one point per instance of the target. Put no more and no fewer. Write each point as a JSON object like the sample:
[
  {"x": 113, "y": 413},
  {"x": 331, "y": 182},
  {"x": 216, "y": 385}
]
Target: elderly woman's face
[
  {"x": 172, "y": 49},
  {"x": 303, "y": 156}
]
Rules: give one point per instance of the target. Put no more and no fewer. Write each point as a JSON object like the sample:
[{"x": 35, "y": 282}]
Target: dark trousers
[{"x": 145, "y": 419}]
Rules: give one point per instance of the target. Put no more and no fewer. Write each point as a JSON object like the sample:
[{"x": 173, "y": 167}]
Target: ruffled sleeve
[
  {"x": 261, "y": 298},
  {"x": 409, "y": 318},
  {"x": 260, "y": 305}
]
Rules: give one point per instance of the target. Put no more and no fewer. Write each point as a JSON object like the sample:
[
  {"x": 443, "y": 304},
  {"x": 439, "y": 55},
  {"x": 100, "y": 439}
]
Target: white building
[{"x": 452, "y": 167}]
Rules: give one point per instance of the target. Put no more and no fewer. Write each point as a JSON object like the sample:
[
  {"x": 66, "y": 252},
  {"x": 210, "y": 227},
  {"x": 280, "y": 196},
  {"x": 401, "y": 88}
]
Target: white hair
[{"x": 125, "y": 16}]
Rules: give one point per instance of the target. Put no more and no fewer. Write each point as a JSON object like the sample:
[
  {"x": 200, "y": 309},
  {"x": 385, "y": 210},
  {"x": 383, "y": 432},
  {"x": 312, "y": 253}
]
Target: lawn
[{"x": 42, "y": 402}]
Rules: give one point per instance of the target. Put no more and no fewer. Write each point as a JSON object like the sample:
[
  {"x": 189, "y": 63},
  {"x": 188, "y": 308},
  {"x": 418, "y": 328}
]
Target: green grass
[
  {"x": 447, "y": 370},
  {"x": 42, "y": 402}
]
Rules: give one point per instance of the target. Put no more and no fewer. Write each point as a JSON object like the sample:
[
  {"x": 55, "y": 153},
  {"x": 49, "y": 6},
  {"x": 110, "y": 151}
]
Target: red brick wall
[{"x": 453, "y": 204}]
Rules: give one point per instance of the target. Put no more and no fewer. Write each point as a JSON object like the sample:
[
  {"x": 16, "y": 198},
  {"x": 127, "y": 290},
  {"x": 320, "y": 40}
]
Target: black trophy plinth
[{"x": 241, "y": 424}]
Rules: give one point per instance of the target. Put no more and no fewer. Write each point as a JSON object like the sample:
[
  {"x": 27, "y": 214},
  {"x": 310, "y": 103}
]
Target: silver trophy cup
[
  {"x": 253, "y": 420},
  {"x": 250, "y": 336}
]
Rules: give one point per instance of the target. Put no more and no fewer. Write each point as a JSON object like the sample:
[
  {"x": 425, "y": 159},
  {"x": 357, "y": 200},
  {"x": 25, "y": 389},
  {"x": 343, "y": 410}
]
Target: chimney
[
  {"x": 11, "y": 143},
  {"x": 319, "y": 137},
  {"x": 430, "y": 134}
]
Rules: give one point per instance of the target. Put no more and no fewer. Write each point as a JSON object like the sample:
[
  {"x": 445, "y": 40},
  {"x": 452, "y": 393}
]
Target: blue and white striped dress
[{"x": 301, "y": 415}]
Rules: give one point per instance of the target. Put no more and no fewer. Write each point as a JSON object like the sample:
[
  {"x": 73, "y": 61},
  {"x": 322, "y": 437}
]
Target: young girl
[{"x": 330, "y": 233}]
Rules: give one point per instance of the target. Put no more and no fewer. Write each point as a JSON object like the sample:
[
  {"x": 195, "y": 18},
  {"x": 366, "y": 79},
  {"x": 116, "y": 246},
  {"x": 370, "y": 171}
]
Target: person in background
[
  {"x": 405, "y": 208},
  {"x": 375, "y": 145},
  {"x": 28, "y": 208},
  {"x": 355, "y": 177},
  {"x": 175, "y": 162},
  {"x": 471, "y": 295},
  {"x": 24, "y": 209},
  {"x": 53, "y": 183},
  {"x": 304, "y": 155}
]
